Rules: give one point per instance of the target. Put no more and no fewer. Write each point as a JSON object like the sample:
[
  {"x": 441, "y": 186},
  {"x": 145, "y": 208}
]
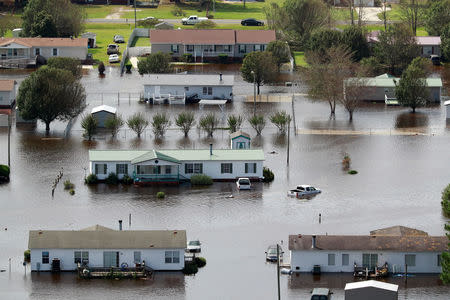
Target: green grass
[
  {"x": 342, "y": 13},
  {"x": 299, "y": 57},
  {"x": 392, "y": 15},
  {"x": 100, "y": 11},
  {"x": 141, "y": 41}
]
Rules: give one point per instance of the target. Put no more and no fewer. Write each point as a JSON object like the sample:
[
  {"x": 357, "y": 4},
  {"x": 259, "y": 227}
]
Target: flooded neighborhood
[{"x": 270, "y": 192}]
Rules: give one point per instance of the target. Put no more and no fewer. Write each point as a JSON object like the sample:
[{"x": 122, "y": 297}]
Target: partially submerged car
[
  {"x": 194, "y": 246},
  {"x": 243, "y": 183},
  {"x": 271, "y": 253},
  {"x": 321, "y": 294},
  {"x": 303, "y": 190}
]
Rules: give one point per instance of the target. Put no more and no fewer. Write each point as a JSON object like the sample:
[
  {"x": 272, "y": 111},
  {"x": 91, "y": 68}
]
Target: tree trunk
[
  {"x": 257, "y": 86},
  {"x": 350, "y": 4},
  {"x": 332, "y": 108},
  {"x": 47, "y": 126},
  {"x": 350, "y": 115},
  {"x": 414, "y": 109}
]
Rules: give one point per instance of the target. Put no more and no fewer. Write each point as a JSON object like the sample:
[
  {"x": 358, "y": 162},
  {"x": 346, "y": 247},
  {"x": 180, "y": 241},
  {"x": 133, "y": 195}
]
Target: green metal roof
[
  {"x": 386, "y": 80},
  {"x": 177, "y": 156}
]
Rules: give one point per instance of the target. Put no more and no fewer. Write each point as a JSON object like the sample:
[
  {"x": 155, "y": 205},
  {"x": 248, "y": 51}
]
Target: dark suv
[{"x": 252, "y": 22}]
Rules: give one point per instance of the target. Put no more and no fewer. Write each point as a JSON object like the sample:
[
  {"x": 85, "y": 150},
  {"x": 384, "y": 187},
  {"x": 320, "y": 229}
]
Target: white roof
[
  {"x": 106, "y": 108},
  {"x": 190, "y": 80},
  {"x": 447, "y": 102},
  {"x": 371, "y": 283},
  {"x": 212, "y": 102}
]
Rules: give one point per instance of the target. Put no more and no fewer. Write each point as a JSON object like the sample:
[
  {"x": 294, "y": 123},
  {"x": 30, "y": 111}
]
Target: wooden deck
[{"x": 114, "y": 272}]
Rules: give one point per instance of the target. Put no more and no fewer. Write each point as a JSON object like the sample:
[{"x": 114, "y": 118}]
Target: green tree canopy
[
  {"x": 354, "y": 37},
  {"x": 52, "y": 18},
  {"x": 445, "y": 261},
  {"x": 323, "y": 39},
  {"x": 437, "y": 17},
  {"x": 49, "y": 94},
  {"x": 155, "y": 63},
  {"x": 280, "y": 52},
  {"x": 259, "y": 67},
  {"x": 72, "y": 65},
  {"x": 445, "y": 42}
]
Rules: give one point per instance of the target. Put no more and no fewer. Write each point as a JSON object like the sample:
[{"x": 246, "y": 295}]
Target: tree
[
  {"x": 323, "y": 39},
  {"x": 258, "y": 123},
  {"x": 326, "y": 74},
  {"x": 445, "y": 42},
  {"x": 396, "y": 48},
  {"x": 137, "y": 123},
  {"x": 354, "y": 90},
  {"x": 234, "y": 123},
  {"x": 101, "y": 68},
  {"x": 185, "y": 121},
  {"x": 263, "y": 66},
  {"x": 281, "y": 120},
  {"x": 412, "y": 90},
  {"x": 49, "y": 94},
  {"x": 445, "y": 260},
  {"x": 160, "y": 124},
  {"x": 72, "y": 65},
  {"x": 297, "y": 19},
  {"x": 384, "y": 15},
  {"x": 52, "y": 18},
  {"x": 155, "y": 63},
  {"x": 7, "y": 23},
  {"x": 446, "y": 200},
  {"x": 89, "y": 124},
  {"x": 207, "y": 24},
  {"x": 354, "y": 38},
  {"x": 208, "y": 123},
  {"x": 437, "y": 17},
  {"x": 280, "y": 52},
  {"x": 412, "y": 13},
  {"x": 113, "y": 124}
]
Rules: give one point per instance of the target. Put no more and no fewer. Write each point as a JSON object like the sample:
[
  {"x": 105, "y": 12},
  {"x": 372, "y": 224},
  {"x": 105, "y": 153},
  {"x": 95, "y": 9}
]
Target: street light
[{"x": 254, "y": 93}]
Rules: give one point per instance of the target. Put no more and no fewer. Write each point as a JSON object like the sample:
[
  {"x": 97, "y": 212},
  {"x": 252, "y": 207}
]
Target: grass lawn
[
  {"x": 299, "y": 57},
  {"x": 100, "y": 11},
  {"x": 141, "y": 41},
  {"x": 394, "y": 14},
  {"x": 342, "y": 13}
]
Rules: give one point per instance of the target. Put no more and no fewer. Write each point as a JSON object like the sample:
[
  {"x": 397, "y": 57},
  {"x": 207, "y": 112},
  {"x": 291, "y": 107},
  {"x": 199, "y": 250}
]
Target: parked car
[
  {"x": 194, "y": 246},
  {"x": 112, "y": 49},
  {"x": 192, "y": 20},
  {"x": 435, "y": 59},
  {"x": 148, "y": 18},
  {"x": 252, "y": 22},
  {"x": 271, "y": 253},
  {"x": 303, "y": 190},
  {"x": 243, "y": 184},
  {"x": 118, "y": 39},
  {"x": 114, "y": 58},
  {"x": 321, "y": 294}
]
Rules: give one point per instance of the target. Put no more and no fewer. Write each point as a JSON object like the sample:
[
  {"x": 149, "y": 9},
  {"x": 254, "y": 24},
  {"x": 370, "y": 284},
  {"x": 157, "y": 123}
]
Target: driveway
[{"x": 370, "y": 13}]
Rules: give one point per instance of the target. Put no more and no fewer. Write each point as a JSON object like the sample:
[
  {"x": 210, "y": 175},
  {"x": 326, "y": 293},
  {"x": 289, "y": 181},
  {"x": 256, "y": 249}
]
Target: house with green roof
[
  {"x": 382, "y": 88},
  {"x": 175, "y": 166}
]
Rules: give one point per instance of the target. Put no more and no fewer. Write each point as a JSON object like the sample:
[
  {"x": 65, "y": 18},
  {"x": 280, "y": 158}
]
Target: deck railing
[{"x": 155, "y": 177}]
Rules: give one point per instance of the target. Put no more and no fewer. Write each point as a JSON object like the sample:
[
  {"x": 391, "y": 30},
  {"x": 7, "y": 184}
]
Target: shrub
[
  {"x": 150, "y": 23},
  {"x": 89, "y": 124},
  {"x": 91, "y": 179},
  {"x": 4, "y": 171},
  {"x": 352, "y": 172},
  {"x": 66, "y": 63},
  {"x": 268, "y": 175},
  {"x": 223, "y": 58},
  {"x": 207, "y": 24},
  {"x": 155, "y": 63},
  {"x": 113, "y": 124},
  {"x": 185, "y": 120},
  {"x": 200, "y": 262},
  {"x": 137, "y": 123},
  {"x": 160, "y": 195},
  {"x": 234, "y": 123},
  {"x": 68, "y": 185},
  {"x": 178, "y": 12},
  {"x": 127, "y": 180},
  {"x": 281, "y": 120},
  {"x": 377, "y": 3},
  {"x": 258, "y": 123},
  {"x": 187, "y": 57},
  {"x": 446, "y": 200},
  {"x": 208, "y": 123},
  {"x": 112, "y": 179},
  {"x": 101, "y": 68},
  {"x": 209, "y": 16},
  {"x": 72, "y": 192},
  {"x": 128, "y": 66},
  {"x": 160, "y": 124},
  {"x": 190, "y": 268},
  {"x": 27, "y": 255},
  {"x": 201, "y": 179},
  {"x": 346, "y": 161}
]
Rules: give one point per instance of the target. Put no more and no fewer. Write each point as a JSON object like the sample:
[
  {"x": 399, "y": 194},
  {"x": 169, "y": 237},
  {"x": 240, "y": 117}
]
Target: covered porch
[{"x": 154, "y": 168}]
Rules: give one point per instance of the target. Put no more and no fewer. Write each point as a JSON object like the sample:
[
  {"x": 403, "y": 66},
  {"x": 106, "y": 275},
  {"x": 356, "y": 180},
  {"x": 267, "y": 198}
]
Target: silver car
[{"x": 118, "y": 39}]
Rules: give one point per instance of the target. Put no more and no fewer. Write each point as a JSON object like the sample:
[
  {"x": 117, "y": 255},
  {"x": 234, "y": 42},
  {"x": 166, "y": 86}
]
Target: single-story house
[
  {"x": 99, "y": 246},
  {"x": 92, "y": 39},
  {"x": 102, "y": 113},
  {"x": 210, "y": 43},
  {"x": 118, "y": 2},
  {"x": 428, "y": 44},
  {"x": 240, "y": 140},
  {"x": 205, "y": 86},
  {"x": 344, "y": 253},
  {"x": 371, "y": 290},
  {"x": 7, "y": 93},
  {"x": 382, "y": 87},
  {"x": 173, "y": 166},
  {"x": 27, "y": 49}
]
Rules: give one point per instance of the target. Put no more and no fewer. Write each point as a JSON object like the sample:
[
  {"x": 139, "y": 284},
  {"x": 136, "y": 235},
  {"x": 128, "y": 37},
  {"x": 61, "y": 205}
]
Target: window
[
  {"x": 121, "y": 169},
  {"x": 190, "y": 48},
  {"x": 174, "y": 48},
  {"x": 81, "y": 257},
  {"x": 242, "y": 49},
  {"x": 256, "y": 47},
  {"x": 37, "y": 51},
  {"x": 186, "y": 89},
  {"x": 439, "y": 260},
  {"x": 15, "y": 52},
  {"x": 172, "y": 257},
  {"x": 345, "y": 259},
  {"x": 45, "y": 257},
  {"x": 193, "y": 168},
  {"x": 147, "y": 169},
  {"x": 137, "y": 257},
  {"x": 168, "y": 169},
  {"x": 227, "y": 48},
  {"x": 250, "y": 167},
  {"x": 331, "y": 259},
  {"x": 198, "y": 168},
  {"x": 207, "y": 90},
  {"x": 55, "y": 51},
  {"x": 410, "y": 260},
  {"x": 370, "y": 260},
  {"x": 100, "y": 169},
  {"x": 226, "y": 168}
]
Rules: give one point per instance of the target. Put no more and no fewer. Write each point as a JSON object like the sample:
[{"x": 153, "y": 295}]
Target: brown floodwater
[{"x": 399, "y": 181}]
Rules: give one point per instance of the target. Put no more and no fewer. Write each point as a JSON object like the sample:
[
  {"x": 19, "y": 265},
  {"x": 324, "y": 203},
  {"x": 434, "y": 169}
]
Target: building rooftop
[
  {"x": 99, "y": 237},
  {"x": 372, "y": 37},
  {"x": 255, "y": 36},
  {"x": 386, "y": 80},
  {"x": 399, "y": 231},
  {"x": 7, "y": 85},
  {"x": 45, "y": 42},
  {"x": 371, "y": 283},
  {"x": 190, "y": 79},
  {"x": 137, "y": 156},
  {"x": 238, "y": 134},
  {"x": 106, "y": 108}
]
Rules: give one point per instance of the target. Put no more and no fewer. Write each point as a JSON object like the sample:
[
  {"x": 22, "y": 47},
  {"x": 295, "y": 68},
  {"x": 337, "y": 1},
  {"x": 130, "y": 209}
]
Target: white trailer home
[
  {"x": 99, "y": 246},
  {"x": 173, "y": 166},
  {"x": 7, "y": 93},
  {"x": 342, "y": 253}
]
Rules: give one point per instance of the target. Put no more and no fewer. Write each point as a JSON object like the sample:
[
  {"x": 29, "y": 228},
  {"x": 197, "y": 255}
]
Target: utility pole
[
  {"x": 9, "y": 141},
  {"x": 288, "y": 141},
  {"x": 254, "y": 93},
  {"x": 135, "y": 22},
  {"x": 278, "y": 270}
]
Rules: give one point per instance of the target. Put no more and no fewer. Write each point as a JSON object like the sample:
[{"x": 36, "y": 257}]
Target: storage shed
[
  {"x": 447, "y": 106},
  {"x": 240, "y": 140},
  {"x": 371, "y": 290},
  {"x": 102, "y": 113},
  {"x": 92, "y": 39}
]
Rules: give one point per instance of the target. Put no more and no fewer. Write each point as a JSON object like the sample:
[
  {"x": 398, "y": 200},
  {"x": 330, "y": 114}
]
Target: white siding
[
  {"x": 222, "y": 92},
  {"x": 426, "y": 262},
  {"x": 74, "y": 52},
  {"x": 213, "y": 169},
  {"x": 110, "y": 167},
  {"x": 154, "y": 258}
]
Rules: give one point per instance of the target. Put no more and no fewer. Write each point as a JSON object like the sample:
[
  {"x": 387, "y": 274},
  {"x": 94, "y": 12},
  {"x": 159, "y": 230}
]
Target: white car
[
  {"x": 243, "y": 184},
  {"x": 194, "y": 246},
  {"x": 303, "y": 190},
  {"x": 113, "y": 58},
  {"x": 148, "y": 18}
]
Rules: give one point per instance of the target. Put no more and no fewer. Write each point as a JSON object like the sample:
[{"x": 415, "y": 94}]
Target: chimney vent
[
  {"x": 313, "y": 242},
  {"x": 120, "y": 225}
]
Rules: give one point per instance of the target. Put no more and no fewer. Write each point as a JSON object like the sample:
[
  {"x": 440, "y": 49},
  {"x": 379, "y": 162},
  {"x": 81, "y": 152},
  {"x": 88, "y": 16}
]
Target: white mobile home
[
  {"x": 167, "y": 86},
  {"x": 7, "y": 93},
  {"x": 343, "y": 253},
  {"x": 173, "y": 166},
  {"x": 98, "y": 246},
  {"x": 371, "y": 290}
]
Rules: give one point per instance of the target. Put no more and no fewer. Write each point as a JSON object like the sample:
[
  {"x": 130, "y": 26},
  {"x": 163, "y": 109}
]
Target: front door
[{"x": 110, "y": 259}]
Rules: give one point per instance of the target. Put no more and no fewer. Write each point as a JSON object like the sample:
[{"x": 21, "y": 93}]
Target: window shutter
[
  {"x": 254, "y": 167},
  {"x": 96, "y": 169},
  {"x": 246, "y": 167},
  {"x": 221, "y": 168},
  {"x": 231, "y": 168},
  {"x": 105, "y": 169},
  {"x": 185, "y": 169},
  {"x": 117, "y": 169}
]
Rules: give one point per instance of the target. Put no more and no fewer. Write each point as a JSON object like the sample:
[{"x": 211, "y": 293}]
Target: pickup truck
[{"x": 192, "y": 20}]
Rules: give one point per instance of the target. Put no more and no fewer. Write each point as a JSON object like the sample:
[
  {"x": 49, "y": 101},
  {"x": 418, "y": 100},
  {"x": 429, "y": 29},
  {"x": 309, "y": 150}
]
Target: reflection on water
[{"x": 411, "y": 120}]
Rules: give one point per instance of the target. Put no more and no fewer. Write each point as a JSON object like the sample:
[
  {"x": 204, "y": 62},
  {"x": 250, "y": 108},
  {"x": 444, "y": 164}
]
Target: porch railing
[{"x": 155, "y": 177}]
